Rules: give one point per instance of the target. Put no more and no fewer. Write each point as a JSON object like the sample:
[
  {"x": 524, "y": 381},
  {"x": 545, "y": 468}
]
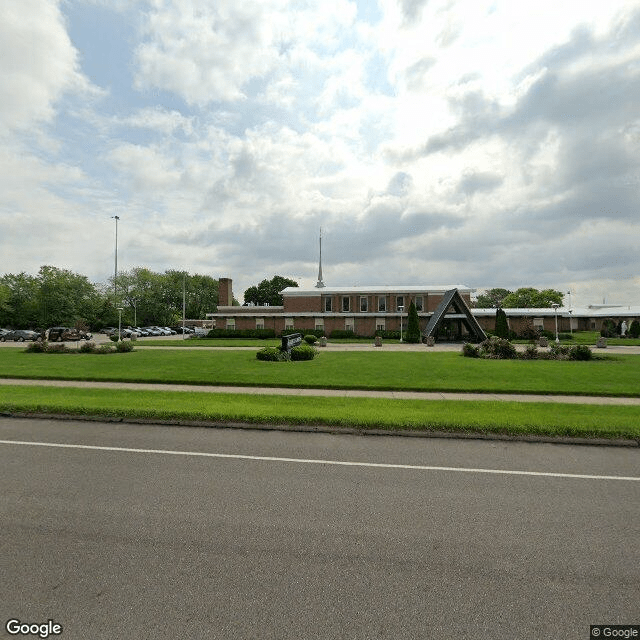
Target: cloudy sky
[{"x": 485, "y": 143}]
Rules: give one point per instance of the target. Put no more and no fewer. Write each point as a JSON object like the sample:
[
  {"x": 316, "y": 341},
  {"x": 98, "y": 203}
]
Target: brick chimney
[{"x": 225, "y": 293}]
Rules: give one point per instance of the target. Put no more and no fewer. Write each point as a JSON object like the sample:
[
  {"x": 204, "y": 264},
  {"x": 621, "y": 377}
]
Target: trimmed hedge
[
  {"x": 85, "y": 347},
  {"x": 303, "y": 352},
  {"x": 272, "y": 354}
]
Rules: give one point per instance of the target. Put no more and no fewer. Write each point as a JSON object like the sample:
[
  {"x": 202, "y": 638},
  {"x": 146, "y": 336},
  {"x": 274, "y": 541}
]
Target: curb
[{"x": 321, "y": 428}]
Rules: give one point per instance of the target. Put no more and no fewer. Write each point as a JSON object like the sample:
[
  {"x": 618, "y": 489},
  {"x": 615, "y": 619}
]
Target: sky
[{"x": 483, "y": 143}]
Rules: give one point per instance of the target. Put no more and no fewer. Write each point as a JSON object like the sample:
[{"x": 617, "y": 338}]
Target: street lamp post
[
  {"x": 401, "y": 309},
  {"x": 115, "y": 273},
  {"x": 555, "y": 306},
  {"x": 119, "y": 324}
]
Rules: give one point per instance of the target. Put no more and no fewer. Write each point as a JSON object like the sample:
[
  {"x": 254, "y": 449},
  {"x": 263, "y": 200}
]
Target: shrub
[
  {"x": 310, "y": 339},
  {"x": 413, "y": 325},
  {"x": 88, "y": 347},
  {"x": 608, "y": 329},
  {"x": 580, "y": 352},
  {"x": 37, "y": 347},
  {"x": 499, "y": 348},
  {"x": 470, "y": 350},
  {"x": 124, "y": 347},
  {"x": 104, "y": 348},
  {"x": 388, "y": 335},
  {"x": 338, "y": 334},
  {"x": 272, "y": 354},
  {"x": 528, "y": 331},
  {"x": 634, "y": 329},
  {"x": 57, "y": 348},
  {"x": 502, "y": 327},
  {"x": 565, "y": 336},
  {"x": 303, "y": 352},
  {"x": 114, "y": 338},
  {"x": 530, "y": 352},
  {"x": 559, "y": 351}
]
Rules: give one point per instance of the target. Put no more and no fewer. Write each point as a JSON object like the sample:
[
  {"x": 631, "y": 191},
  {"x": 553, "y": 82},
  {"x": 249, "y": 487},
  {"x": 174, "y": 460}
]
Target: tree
[
  {"x": 413, "y": 325},
  {"x": 634, "y": 329},
  {"x": 268, "y": 292},
  {"x": 502, "y": 326},
  {"x": 530, "y": 298},
  {"x": 156, "y": 298},
  {"x": 492, "y": 298}
]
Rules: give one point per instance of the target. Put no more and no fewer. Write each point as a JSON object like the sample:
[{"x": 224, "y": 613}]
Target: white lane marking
[{"x": 340, "y": 463}]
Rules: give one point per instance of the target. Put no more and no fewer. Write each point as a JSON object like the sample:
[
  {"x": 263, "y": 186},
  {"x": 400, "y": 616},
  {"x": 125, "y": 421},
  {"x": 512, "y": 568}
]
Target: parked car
[
  {"x": 60, "y": 334},
  {"x": 20, "y": 335},
  {"x": 152, "y": 331}
]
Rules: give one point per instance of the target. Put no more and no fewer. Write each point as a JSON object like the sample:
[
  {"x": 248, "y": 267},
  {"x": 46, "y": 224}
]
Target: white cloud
[{"x": 38, "y": 62}]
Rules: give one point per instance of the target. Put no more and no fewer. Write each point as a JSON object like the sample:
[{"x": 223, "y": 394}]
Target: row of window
[
  {"x": 345, "y": 303},
  {"x": 349, "y": 324}
]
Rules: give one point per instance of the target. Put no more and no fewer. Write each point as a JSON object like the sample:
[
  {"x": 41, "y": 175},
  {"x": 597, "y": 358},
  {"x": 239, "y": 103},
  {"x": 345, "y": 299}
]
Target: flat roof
[{"x": 399, "y": 289}]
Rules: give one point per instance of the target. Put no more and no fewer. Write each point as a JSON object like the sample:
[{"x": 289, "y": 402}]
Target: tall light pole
[
  {"x": 115, "y": 273},
  {"x": 555, "y": 306},
  {"x": 401, "y": 309}
]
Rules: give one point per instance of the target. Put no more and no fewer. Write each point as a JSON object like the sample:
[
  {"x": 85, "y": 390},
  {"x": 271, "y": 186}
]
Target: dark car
[{"x": 20, "y": 335}]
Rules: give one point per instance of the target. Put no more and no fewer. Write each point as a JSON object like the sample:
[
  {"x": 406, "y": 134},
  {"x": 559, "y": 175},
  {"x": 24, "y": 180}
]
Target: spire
[{"x": 320, "y": 284}]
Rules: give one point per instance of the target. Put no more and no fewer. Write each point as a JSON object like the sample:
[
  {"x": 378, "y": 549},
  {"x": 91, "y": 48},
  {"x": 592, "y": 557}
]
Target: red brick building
[{"x": 363, "y": 310}]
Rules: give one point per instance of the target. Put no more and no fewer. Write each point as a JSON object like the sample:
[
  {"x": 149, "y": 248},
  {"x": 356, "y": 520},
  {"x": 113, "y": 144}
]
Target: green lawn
[
  {"x": 365, "y": 413},
  {"x": 421, "y": 371},
  {"x": 579, "y": 337}
]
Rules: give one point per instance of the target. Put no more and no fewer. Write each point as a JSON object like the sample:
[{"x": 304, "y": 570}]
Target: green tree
[
  {"x": 21, "y": 305},
  {"x": 502, "y": 326},
  {"x": 634, "y": 329},
  {"x": 530, "y": 298},
  {"x": 413, "y": 325},
  {"x": 268, "y": 292},
  {"x": 150, "y": 298},
  {"x": 492, "y": 298}
]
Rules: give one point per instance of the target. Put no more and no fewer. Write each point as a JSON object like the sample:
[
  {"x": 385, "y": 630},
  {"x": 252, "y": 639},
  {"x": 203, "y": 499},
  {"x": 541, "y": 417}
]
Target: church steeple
[{"x": 320, "y": 284}]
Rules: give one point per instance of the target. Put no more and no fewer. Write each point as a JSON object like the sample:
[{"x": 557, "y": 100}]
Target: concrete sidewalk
[{"x": 332, "y": 393}]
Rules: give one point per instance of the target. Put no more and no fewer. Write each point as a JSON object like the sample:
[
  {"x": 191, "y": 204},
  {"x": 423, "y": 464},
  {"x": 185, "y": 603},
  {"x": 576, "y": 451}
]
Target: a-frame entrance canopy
[{"x": 453, "y": 307}]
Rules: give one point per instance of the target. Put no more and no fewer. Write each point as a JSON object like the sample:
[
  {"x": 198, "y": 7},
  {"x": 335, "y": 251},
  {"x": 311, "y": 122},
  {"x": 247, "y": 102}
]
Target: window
[
  {"x": 349, "y": 324},
  {"x": 231, "y": 324},
  {"x": 419, "y": 303},
  {"x": 382, "y": 303},
  {"x": 259, "y": 323},
  {"x": 319, "y": 324},
  {"x": 288, "y": 324},
  {"x": 346, "y": 306},
  {"x": 380, "y": 324},
  {"x": 364, "y": 304},
  {"x": 399, "y": 302},
  {"x": 538, "y": 323},
  {"x": 328, "y": 306}
]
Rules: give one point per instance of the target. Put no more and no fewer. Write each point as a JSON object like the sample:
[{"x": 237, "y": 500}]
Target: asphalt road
[{"x": 168, "y": 532}]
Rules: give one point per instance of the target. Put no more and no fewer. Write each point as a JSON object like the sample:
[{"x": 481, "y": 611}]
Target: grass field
[
  {"x": 579, "y": 337},
  {"x": 511, "y": 418},
  {"x": 423, "y": 371}
]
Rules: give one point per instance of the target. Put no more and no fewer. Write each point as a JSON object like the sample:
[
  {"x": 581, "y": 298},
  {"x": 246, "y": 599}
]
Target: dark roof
[{"x": 453, "y": 299}]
